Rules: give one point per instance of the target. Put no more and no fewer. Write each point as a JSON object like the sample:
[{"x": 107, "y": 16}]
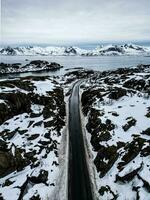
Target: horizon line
[{"x": 66, "y": 44}]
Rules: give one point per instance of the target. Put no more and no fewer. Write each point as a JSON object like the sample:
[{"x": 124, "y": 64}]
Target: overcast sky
[{"x": 73, "y": 21}]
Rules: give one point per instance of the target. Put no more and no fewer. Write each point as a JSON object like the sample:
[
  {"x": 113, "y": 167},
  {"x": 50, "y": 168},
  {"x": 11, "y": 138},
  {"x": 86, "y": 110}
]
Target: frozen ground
[
  {"x": 33, "y": 141},
  {"x": 34, "y": 134},
  {"x": 116, "y": 114}
]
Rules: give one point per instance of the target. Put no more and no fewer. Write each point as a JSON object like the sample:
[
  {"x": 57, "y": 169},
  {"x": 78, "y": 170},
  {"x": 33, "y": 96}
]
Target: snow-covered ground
[
  {"x": 34, "y": 134},
  {"x": 126, "y": 49},
  {"x": 33, "y": 141},
  {"x": 116, "y": 122}
]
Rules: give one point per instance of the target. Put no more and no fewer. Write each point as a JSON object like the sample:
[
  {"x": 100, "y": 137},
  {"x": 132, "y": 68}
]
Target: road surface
[{"x": 79, "y": 187}]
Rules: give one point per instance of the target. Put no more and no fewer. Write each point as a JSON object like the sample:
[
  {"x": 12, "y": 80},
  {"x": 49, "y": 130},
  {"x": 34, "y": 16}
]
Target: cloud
[{"x": 64, "y": 21}]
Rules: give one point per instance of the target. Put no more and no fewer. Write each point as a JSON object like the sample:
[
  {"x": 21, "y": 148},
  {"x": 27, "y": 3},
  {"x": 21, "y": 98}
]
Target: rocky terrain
[
  {"x": 116, "y": 114},
  {"x": 35, "y": 65},
  {"x": 32, "y": 127},
  {"x": 125, "y": 49}
]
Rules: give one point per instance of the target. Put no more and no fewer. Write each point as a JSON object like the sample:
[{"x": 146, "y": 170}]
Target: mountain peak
[{"x": 125, "y": 49}]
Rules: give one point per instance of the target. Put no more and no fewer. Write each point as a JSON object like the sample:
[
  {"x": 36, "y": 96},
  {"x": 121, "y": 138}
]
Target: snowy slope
[
  {"x": 32, "y": 126},
  {"x": 126, "y": 49},
  {"x": 116, "y": 118}
]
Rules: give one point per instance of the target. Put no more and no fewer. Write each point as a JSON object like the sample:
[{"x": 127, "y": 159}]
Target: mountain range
[{"x": 126, "y": 49}]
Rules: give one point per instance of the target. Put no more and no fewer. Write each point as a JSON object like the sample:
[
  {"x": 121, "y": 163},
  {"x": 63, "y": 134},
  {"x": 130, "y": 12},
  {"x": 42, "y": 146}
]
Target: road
[{"x": 79, "y": 187}]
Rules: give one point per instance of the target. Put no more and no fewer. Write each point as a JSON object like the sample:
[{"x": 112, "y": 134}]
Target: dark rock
[
  {"x": 115, "y": 114},
  {"x": 88, "y": 97},
  {"x": 52, "y": 184},
  {"x": 44, "y": 142},
  {"x": 22, "y": 132},
  {"x": 128, "y": 177},
  {"x": 38, "y": 62},
  {"x": 94, "y": 120},
  {"x": 47, "y": 135},
  {"x": 7, "y": 163},
  {"x": 113, "y": 48},
  {"x": 30, "y": 123},
  {"x": 8, "y": 135},
  {"x": 148, "y": 114},
  {"x": 104, "y": 136},
  {"x": 20, "y": 162},
  {"x": 135, "y": 84},
  {"x": 38, "y": 123},
  {"x": 38, "y": 65},
  {"x": 10, "y": 51},
  {"x": 19, "y": 83},
  {"x": 41, "y": 178},
  {"x": 35, "y": 197},
  {"x": 145, "y": 151},
  {"x": 146, "y": 184},
  {"x": 10, "y": 162},
  {"x": 33, "y": 136},
  {"x": 146, "y": 132},
  {"x": 8, "y": 182},
  {"x": 17, "y": 103},
  {"x": 33, "y": 115},
  {"x": 132, "y": 150},
  {"x": 107, "y": 189},
  {"x": 105, "y": 153},
  {"x": 131, "y": 122},
  {"x": 117, "y": 93},
  {"x": 30, "y": 156},
  {"x": 136, "y": 189},
  {"x": 120, "y": 144},
  {"x": 54, "y": 66},
  {"x": 111, "y": 81},
  {"x": 99, "y": 131},
  {"x": 49, "y": 123},
  {"x": 55, "y": 163},
  {"x": 69, "y": 50},
  {"x": 3, "y": 145}
]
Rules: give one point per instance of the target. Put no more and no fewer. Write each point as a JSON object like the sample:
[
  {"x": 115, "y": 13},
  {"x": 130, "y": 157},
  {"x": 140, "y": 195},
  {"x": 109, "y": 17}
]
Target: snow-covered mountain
[{"x": 126, "y": 49}]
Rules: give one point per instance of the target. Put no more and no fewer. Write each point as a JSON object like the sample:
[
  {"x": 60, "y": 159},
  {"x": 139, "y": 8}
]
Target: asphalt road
[{"x": 79, "y": 187}]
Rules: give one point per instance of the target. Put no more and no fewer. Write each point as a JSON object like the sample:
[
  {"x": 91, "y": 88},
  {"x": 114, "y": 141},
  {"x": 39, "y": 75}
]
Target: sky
[{"x": 74, "y": 21}]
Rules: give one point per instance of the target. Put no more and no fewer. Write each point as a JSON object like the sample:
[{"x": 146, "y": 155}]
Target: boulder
[
  {"x": 146, "y": 132},
  {"x": 131, "y": 122},
  {"x": 42, "y": 177}
]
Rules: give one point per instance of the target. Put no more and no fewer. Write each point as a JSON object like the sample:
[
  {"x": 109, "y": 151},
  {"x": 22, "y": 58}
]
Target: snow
[
  {"x": 136, "y": 106},
  {"x": 131, "y": 105},
  {"x": 138, "y": 111},
  {"x": 2, "y": 101},
  {"x": 42, "y": 87},
  {"x": 126, "y": 49},
  {"x": 56, "y": 174}
]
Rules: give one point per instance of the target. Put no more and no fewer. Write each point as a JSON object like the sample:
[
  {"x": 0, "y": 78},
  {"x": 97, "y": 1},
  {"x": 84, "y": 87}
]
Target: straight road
[{"x": 79, "y": 186}]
